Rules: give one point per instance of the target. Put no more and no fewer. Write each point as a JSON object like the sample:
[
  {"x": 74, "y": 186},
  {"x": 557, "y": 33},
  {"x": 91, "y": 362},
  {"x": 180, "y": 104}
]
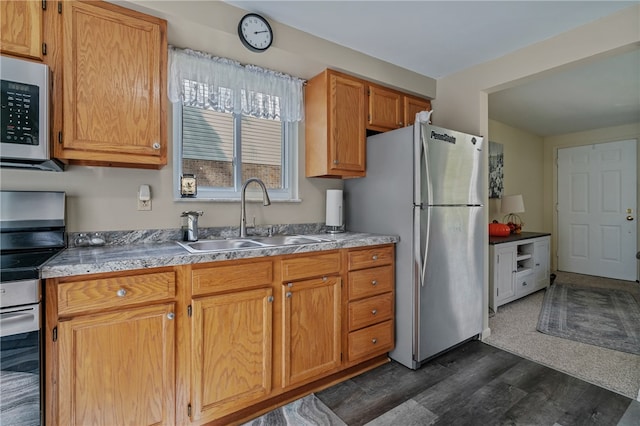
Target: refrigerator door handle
[{"x": 426, "y": 247}]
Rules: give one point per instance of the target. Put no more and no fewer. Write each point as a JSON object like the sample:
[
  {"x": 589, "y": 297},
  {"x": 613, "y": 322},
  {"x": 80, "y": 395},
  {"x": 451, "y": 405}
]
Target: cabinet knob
[
  {"x": 171, "y": 315},
  {"x": 374, "y": 257},
  {"x": 537, "y": 264},
  {"x": 288, "y": 294},
  {"x": 524, "y": 283},
  {"x": 270, "y": 299},
  {"x": 324, "y": 278},
  {"x": 374, "y": 340},
  {"x": 335, "y": 162},
  {"x": 374, "y": 282},
  {"x": 400, "y": 124},
  {"x": 156, "y": 145},
  {"x": 374, "y": 312},
  {"x": 121, "y": 293}
]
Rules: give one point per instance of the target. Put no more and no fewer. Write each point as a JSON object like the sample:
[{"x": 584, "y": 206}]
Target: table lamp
[{"x": 512, "y": 204}]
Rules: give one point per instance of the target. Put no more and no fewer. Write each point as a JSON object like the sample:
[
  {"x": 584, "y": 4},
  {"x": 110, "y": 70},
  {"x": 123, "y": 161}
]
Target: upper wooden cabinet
[
  {"x": 412, "y": 106},
  {"x": 114, "y": 63},
  {"x": 390, "y": 109},
  {"x": 21, "y": 28},
  {"x": 339, "y": 110},
  {"x": 385, "y": 109},
  {"x": 335, "y": 134}
]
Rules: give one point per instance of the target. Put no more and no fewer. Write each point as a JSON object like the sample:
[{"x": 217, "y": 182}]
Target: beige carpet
[{"x": 513, "y": 328}]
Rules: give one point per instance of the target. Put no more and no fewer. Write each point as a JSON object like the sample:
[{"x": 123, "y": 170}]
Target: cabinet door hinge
[
  {"x": 497, "y": 292},
  {"x": 44, "y": 4},
  {"x": 59, "y": 137},
  {"x": 60, "y": 7},
  {"x": 189, "y": 311},
  {"x": 189, "y": 410},
  {"x": 44, "y": 48},
  {"x": 340, "y": 356},
  {"x": 54, "y": 334}
]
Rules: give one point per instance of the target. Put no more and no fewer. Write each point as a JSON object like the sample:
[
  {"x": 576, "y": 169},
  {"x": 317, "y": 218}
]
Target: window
[{"x": 227, "y": 130}]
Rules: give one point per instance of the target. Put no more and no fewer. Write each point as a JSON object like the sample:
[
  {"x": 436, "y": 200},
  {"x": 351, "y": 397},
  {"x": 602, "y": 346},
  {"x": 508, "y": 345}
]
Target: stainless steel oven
[{"x": 32, "y": 232}]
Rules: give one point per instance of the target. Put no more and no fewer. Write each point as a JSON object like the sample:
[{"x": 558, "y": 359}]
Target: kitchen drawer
[
  {"x": 371, "y": 310},
  {"x": 118, "y": 291},
  {"x": 310, "y": 266},
  {"x": 371, "y": 341},
  {"x": 525, "y": 284},
  {"x": 369, "y": 282},
  {"x": 370, "y": 257},
  {"x": 236, "y": 276}
]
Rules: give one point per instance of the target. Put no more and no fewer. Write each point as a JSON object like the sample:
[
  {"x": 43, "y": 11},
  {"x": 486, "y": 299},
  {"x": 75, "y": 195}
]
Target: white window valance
[{"x": 224, "y": 85}]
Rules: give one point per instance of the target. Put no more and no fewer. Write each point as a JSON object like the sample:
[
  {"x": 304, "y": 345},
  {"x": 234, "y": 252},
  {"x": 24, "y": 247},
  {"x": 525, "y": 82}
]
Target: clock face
[{"x": 255, "y": 32}]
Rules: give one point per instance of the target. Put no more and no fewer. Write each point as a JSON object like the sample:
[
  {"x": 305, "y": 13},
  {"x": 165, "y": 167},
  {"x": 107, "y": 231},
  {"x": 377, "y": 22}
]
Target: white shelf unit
[{"x": 517, "y": 268}]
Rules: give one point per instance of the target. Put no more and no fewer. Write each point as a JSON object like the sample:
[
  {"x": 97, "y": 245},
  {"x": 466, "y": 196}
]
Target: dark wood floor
[{"x": 476, "y": 384}]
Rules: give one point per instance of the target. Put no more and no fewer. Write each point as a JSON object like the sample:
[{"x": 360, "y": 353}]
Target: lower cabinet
[
  {"x": 517, "y": 269},
  {"x": 213, "y": 343},
  {"x": 370, "y": 307},
  {"x": 114, "y": 363},
  {"x": 230, "y": 351}
]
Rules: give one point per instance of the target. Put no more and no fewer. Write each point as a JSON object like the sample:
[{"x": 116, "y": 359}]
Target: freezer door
[
  {"x": 451, "y": 167},
  {"x": 450, "y": 294}
]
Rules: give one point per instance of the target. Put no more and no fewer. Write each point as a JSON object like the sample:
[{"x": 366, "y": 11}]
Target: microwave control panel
[{"x": 20, "y": 112}]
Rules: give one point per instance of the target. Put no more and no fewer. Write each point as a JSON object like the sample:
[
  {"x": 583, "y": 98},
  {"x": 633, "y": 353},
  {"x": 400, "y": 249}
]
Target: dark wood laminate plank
[
  {"x": 485, "y": 406},
  {"x": 452, "y": 393},
  {"x": 596, "y": 406}
]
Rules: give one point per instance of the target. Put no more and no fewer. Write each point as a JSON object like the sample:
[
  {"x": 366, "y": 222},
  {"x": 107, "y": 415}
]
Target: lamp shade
[{"x": 512, "y": 204}]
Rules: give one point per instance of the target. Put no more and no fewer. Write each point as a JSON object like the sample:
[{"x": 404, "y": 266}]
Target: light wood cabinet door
[
  {"x": 231, "y": 363},
  {"x": 335, "y": 134},
  {"x": 311, "y": 329},
  {"x": 385, "y": 109},
  {"x": 412, "y": 106},
  {"x": 21, "y": 29},
  {"x": 114, "y": 97},
  {"x": 118, "y": 368}
]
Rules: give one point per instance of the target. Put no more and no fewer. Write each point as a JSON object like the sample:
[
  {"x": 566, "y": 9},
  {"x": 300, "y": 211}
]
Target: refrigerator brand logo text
[{"x": 442, "y": 137}]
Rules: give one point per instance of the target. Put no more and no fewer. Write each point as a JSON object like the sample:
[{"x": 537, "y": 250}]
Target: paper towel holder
[{"x": 334, "y": 223}]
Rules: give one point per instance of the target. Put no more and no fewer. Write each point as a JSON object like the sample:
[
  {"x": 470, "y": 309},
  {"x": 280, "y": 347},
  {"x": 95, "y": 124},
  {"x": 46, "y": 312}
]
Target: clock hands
[{"x": 258, "y": 32}]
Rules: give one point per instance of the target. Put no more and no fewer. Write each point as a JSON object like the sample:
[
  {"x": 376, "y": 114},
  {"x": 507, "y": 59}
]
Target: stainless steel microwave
[{"x": 24, "y": 122}]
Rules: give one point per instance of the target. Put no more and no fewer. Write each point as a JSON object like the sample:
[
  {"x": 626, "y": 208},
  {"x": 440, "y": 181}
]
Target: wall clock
[{"x": 255, "y": 32}]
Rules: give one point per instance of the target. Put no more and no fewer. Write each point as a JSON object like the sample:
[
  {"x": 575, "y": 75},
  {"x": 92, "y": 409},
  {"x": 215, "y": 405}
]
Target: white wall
[
  {"x": 523, "y": 173},
  {"x": 104, "y": 199},
  {"x": 462, "y": 98}
]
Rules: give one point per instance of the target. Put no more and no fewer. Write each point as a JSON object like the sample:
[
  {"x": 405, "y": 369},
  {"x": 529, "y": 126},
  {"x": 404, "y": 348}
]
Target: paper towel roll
[{"x": 334, "y": 207}]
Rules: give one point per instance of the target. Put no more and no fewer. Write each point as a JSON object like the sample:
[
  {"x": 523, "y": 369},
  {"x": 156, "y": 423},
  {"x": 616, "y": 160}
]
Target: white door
[{"x": 597, "y": 210}]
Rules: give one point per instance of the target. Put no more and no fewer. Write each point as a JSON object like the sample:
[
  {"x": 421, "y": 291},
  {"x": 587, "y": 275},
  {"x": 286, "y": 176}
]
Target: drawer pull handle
[
  {"x": 375, "y": 257},
  {"x": 288, "y": 294},
  {"x": 121, "y": 293},
  {"x": 324, "y": 278},
  {"x": 374, "y": 340},
  {"x": 374, "y": 283},
  {"x": 374, "y": 312},
  {"x": 524, "y": 283},
  {"x": 171, "y": 315}
]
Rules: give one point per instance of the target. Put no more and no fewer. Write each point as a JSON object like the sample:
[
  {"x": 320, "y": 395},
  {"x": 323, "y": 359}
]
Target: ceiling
[{"x": 438, "y": 38}]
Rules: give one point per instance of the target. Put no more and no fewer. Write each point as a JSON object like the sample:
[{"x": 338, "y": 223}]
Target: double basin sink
[{"x": 206, "y": 246}]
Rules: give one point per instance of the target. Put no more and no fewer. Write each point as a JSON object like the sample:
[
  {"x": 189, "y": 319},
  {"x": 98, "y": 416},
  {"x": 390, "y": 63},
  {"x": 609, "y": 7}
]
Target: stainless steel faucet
[
  {"x": 190, "y": 230},
  {"x": 243, "y": 211}
]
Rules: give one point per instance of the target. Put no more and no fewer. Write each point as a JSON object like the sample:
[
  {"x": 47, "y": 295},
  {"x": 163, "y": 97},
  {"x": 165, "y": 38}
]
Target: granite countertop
[
  {"x": 516, "y": 237},
  {"x": 90, "y": 260}
]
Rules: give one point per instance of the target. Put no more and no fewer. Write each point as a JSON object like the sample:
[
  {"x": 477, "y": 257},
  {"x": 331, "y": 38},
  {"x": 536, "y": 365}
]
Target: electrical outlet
[{"x": 144, "y": 205}]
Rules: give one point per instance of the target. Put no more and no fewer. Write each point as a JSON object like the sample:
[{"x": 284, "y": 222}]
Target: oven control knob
[{"x": 122, "y": 292}]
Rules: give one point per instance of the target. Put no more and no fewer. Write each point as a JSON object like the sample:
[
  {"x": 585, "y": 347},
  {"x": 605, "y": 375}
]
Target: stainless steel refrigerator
[{"x": 424, "y": 184}]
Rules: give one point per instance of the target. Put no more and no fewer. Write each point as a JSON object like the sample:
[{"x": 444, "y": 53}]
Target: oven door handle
[{"x": 19, "y": 320}]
